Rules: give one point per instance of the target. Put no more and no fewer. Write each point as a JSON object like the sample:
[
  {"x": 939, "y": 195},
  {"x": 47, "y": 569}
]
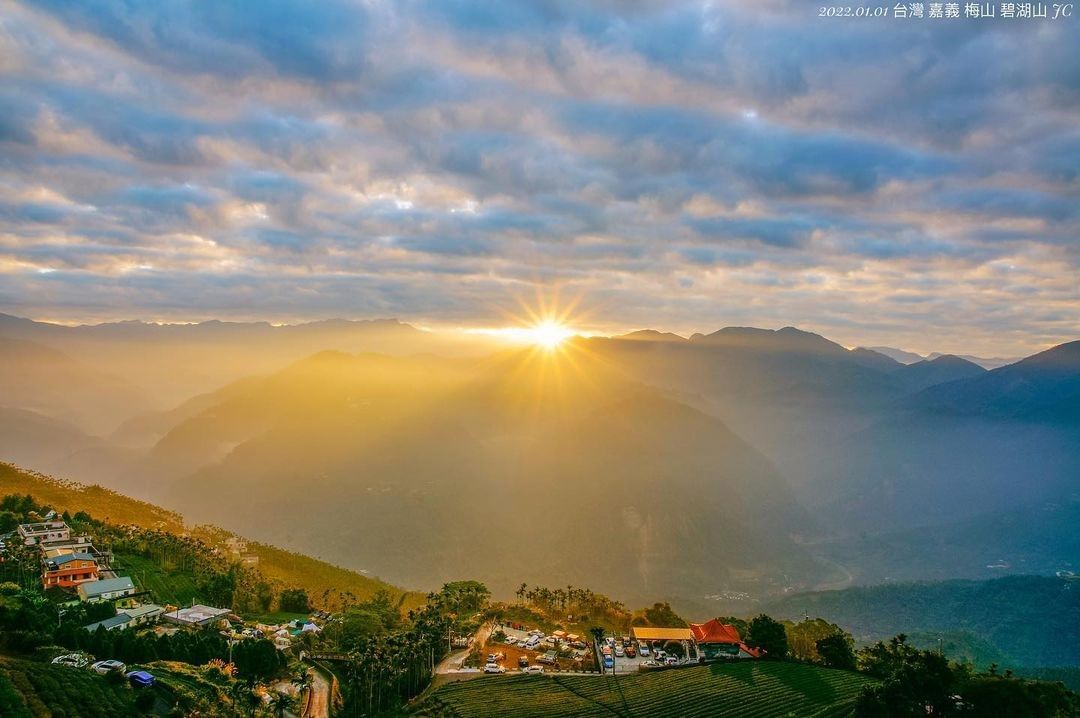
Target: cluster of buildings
[
  {"x": 66, "y": 560},
  {"x": 72, "y": 561},
  {"x": 712, "y": 640}
]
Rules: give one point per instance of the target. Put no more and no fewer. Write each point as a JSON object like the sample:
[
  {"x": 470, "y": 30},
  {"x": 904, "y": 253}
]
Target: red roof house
[{"x": 720, "y": 640}]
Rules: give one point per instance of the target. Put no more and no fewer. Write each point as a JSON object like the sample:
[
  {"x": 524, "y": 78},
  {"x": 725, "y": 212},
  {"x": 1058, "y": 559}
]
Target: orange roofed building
[
  {"x": 720, "y": 640},
  {"x": 69, "y": 570}
]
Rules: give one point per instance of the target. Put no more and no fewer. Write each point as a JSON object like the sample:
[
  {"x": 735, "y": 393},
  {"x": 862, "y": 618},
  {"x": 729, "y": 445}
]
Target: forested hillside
[
  {"x": 285, "y": 568},
  {"x": 1030, "y": 620}
]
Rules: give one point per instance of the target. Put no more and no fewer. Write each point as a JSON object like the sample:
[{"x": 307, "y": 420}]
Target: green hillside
[
  {"x": 762, "y": 689},
  {"x": 282, "y": 567},
  {"x": 1028, "y": 620}
]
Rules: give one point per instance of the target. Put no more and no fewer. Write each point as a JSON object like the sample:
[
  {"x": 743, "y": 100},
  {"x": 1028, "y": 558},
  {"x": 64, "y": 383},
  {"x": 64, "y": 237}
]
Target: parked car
[
  {"x": 494, "y": 668},
  {"x": 523, "y": 662},
  {"x": 643, "y": 648},
  {"x": 631, "y": 652},
  {"x": 104, "y": 667},
  {"x": 492, "y": 658},
  {"x": 141, "y": 679},
  {"x": 548, "y": 658},
  {"x": 670, "y": 660},
  {"x": 533, "y": 669},
  {"x": 650, "y": 663},
  {"x": 532, "y": 643},
  {"x": 659, "y": 654},
  {"x": 551, "y": 641},
  {"x": 74, "y": 660},
  {"x": 510, "y": 640},
  {"x": 619, "y": 650},
  {"x": 609, "y": 662}
]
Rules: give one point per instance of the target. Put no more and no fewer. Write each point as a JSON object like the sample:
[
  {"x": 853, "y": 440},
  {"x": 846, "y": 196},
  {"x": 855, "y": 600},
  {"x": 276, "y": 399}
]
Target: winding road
[{"x": 317, "y": 703}]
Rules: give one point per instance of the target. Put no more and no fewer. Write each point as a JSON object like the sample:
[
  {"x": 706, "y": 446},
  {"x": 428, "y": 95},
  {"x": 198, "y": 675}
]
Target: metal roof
[
  {"x": 650, "y": 633},
  {"x": 106, "y": 585}
]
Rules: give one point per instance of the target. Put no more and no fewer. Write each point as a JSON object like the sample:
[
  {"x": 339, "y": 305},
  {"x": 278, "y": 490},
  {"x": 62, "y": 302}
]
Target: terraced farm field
[{"x": 757, "y": 689}]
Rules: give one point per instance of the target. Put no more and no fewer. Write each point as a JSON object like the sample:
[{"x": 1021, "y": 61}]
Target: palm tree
[
  {"x": 281, "y": 703},
  {"x": 239, "y": 693},
  {"x": 302, "y": 681}
]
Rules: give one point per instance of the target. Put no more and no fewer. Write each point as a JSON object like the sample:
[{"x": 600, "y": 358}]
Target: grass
[
  {"x": 751, "y": 689},
  {"x": 175, "y": 587}
]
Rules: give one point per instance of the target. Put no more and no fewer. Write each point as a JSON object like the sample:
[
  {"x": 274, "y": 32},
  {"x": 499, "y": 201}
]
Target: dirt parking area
[{"x": 514, "y": 652}]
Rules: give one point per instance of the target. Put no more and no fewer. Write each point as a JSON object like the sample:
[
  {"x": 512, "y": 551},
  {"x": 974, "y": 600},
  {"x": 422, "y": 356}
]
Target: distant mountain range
[
  {"x": 906, "y": 357},
  {"x": 104, "y": 373},
  {"x": 744, "y": 459}
]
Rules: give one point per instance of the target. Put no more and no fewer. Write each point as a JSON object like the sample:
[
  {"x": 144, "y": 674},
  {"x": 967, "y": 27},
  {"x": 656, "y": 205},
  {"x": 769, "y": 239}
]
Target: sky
[{"x": 679, "y": 166}]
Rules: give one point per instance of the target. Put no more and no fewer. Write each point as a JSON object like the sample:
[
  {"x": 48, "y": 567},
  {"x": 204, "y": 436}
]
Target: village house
[
  {"x": 130, "y": 618},
  {"x": 68, "y": 570},
  {"x": 106, "y": 589},
  {"x": 33, "y": 534}
]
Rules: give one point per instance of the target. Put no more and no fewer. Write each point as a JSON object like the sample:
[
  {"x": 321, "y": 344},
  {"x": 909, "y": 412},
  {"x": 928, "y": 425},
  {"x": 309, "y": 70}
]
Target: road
[
  {"x": 845, "y": 582},
  {"x": 317, "y": 704},
  {"x": 453, "y": 662}
]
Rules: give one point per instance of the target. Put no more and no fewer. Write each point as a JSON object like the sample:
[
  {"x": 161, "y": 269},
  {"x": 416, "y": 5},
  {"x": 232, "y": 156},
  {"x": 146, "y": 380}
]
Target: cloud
[{"x": 679, "y": 165}]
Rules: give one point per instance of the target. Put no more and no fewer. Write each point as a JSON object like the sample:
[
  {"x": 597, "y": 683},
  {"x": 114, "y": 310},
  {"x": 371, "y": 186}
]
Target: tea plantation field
[{"x": 758, "y": 689}]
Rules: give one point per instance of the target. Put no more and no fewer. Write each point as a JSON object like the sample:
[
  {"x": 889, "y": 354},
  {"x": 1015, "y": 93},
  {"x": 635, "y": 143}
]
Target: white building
[{"x": 197, "y": 615}]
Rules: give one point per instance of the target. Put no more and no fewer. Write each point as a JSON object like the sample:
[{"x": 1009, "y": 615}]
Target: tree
[
  {"x": 915, "y": 682},
  {"x": 264, "y": 594},
  {"x": 660, "y": 614},
  {"x": 281, "y": 703},
  {"x": 464, "y": 597},
  {"x": 294, "y": 600},
  {"x": 1001, "y": 695},
  {"x": 837, "y": 651},
  {"x": 769, "y": 635}
]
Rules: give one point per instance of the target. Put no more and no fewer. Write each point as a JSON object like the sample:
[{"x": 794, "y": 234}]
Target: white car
[
  {"x": 643, "y": 649},
  {"x": 510, "y": 640},
  {"x": 74, "y": 660},
  {"x": 670, "y": 660},
  {"x": 494, "y": 668},
  {"x": 104, "y": 667},
  {"x": 533, "y": 669},
  {"x": 619, "y": 650}
]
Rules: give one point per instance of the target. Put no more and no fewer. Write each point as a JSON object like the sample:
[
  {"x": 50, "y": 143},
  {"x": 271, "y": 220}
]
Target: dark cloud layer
[{"x": 678, "y": 165}]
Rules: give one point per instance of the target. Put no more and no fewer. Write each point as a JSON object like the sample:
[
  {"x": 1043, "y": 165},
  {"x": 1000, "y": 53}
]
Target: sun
[{"x": 547, "y": 334}]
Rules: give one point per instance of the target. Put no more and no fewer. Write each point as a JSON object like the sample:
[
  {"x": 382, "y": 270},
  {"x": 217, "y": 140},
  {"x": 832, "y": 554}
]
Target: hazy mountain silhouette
[
  {"x": 55, "y": 383},
  {"x": 425, "y": 469},
  {"x": 163, "y": 365},
  {"x": 999, "y": 440}
]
